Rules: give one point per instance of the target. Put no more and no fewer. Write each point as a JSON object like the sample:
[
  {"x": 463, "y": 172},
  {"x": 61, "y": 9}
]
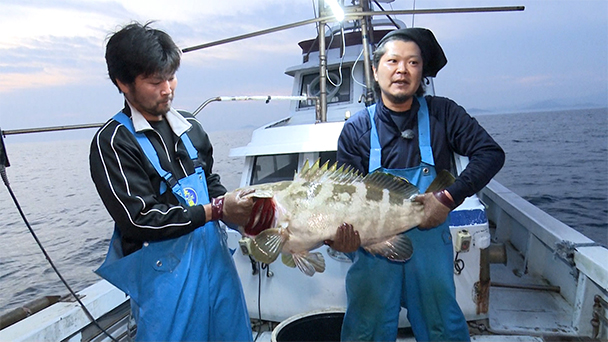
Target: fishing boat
[{"x": 520, "y": 274}]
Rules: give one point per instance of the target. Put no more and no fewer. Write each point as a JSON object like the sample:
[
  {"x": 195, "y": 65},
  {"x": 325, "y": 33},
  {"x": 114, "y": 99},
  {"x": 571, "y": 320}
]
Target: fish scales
[{"x": 308, "y": 210}]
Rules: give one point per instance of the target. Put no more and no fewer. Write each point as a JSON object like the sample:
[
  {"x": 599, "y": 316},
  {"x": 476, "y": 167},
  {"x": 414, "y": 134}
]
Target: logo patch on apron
[{"x": 190, "y": 196}]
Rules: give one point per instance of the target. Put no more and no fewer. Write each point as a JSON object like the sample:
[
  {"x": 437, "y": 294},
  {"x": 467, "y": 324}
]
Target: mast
[
  {"x": 365, "y": 29},
  {"x": 322, "y": 112},
  {"x": 360, "y": 12}
]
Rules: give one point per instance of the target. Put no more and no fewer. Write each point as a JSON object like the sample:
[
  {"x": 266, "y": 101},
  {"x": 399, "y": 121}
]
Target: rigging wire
[
  {"x": 46, "y": 255},
  {"x": 352, "y": 70},
  {"x": 388, "y": 16},
  {"x": 341, "y": 58}
]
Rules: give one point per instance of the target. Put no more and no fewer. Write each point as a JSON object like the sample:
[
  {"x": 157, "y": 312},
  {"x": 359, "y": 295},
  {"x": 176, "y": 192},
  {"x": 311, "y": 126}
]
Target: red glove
[
  {"x": 233, "y": 207},
  {"x": 435, "y": 211}
]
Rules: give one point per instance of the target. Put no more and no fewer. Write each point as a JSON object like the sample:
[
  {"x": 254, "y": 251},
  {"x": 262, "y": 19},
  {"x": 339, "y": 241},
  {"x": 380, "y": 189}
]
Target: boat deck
[
  {"x": 523, "y": 308},
  {"x": 538, "y": 309}
]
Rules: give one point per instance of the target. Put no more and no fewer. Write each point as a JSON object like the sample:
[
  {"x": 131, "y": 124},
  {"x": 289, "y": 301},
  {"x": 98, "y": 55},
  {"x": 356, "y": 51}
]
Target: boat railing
[
  {"x": 265, "y": 98},
  {"x": 533, "y": 233}
]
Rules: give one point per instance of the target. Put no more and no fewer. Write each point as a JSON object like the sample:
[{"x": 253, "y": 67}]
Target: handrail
[
  {"x": 49, "y": 129},
  {"x": 266, "y": 98}
]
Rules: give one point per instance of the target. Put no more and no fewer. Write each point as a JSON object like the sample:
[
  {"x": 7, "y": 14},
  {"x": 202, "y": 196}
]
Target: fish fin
[
  {"x": 267, "y": 245},
  {"x": 288, "y": 260},
  {"x": 318, "y": 173},
  {"x": 443, "y": 179},
  {"x": 310, "y": 263},
  {"x": 392, "y": 183},
  {"x": 397, "y": 248},
  {"x": 308, "y": 172}
]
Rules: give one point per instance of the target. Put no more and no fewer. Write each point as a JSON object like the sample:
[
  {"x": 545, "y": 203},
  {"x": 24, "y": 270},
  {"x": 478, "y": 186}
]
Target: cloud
[
  {"x": 52, "y": 47},
  {"x": 47, "y": 43},
  {"x": 43, "y": 78},
  {"x": 47, "y": 61}
]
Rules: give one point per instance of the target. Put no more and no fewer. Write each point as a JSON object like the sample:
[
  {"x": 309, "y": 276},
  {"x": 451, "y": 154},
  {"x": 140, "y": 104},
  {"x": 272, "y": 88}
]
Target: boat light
[{"x": 336, "y": 9}]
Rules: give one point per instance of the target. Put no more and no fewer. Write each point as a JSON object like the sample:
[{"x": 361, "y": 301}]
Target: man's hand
[
  {"x": 347, "y": 239},
  {"x": 435, "y": 213},
  {"x": 237, "y": 207}
]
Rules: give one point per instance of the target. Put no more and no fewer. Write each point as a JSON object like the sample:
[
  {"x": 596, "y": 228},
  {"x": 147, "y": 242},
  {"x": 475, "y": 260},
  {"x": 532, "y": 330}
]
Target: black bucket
[{"x": 314, "y": 326}]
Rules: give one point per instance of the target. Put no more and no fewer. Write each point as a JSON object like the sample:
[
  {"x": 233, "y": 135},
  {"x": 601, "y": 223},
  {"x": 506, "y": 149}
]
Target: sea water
[{"x": 556, "y": 160}]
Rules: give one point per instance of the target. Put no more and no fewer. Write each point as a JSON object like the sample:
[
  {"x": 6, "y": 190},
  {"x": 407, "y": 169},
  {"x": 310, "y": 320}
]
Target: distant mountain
[
  {"x": 479, "y": 111},
  {"x": 563, "y": 104},
  {"x": 591, "y": 101}
]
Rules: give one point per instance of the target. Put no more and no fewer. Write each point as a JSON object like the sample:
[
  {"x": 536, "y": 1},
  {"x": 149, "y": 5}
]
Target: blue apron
[
  {"x": 182, "y": 289},
  {"x": 377, "y": 288}
]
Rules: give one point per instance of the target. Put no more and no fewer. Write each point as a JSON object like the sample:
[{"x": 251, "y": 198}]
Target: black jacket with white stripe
[{"x": 129, "y": 186}]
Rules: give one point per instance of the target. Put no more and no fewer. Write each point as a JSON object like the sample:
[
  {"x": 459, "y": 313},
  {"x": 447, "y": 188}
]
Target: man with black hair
[
  {"x": 412, "y": 136},
  {"x": 152, "y": 167}
]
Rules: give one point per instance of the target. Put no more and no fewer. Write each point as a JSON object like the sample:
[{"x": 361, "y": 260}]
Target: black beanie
[{"x": 432, "y": 54}]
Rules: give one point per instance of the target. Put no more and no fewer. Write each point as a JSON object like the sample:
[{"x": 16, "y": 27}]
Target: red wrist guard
[
  {"x": 443, "y": 198},
  {"x": 217, "y": 209}
]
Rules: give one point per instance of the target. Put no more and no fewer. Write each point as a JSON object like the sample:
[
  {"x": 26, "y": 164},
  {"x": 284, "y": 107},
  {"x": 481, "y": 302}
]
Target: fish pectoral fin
[
  {"x": 310, "y": 263},
  {"x": 267, "y": 245},
  {"x": 443, "y": 179},
  {"x": 397, "y": 248},
  {"x": 288, "y": 260}
]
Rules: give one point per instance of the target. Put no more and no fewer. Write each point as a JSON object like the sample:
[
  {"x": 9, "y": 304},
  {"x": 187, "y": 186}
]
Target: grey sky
[{"x": 52, "y": 70}]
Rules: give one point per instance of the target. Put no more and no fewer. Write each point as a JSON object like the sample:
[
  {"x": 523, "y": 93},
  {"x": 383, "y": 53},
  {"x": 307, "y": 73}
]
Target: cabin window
[
  {"x": 327, "y": 156},
  {"x": 337, "y": 92},
  {"x": 274, "y": 168}
]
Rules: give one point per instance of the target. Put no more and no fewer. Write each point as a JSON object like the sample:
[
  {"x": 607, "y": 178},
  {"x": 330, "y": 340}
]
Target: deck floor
[{"x": 523, "y": 310}]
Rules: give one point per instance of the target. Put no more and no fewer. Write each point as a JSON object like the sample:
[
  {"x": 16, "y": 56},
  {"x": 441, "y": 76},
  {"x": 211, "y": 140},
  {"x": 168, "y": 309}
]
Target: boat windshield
[
  {"x": 338, "y": 87},
  {"x": 282, "y": 167},
  {"x": 274, "y": 168}
]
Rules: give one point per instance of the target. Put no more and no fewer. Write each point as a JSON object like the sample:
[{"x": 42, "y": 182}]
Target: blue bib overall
[
  {"x": 182, "y": 289},
  {"x": 377, "y": 288}
]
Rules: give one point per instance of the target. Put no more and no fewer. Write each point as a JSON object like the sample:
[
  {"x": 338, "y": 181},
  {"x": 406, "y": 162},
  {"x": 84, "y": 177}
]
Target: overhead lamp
[{"x": 336, "y": 9}]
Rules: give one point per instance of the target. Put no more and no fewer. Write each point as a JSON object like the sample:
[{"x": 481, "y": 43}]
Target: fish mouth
[{"x": 262, "y": 216}]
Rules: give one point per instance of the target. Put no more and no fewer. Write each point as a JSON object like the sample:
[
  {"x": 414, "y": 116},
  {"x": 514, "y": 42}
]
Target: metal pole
[
  {"x": 50, "y": 129},
  {"x": 352, "y": 16},
  {"x": 322, "y": 117},
  {"x": 369, "y": 95},
  {"x": 266, "y": 99}
]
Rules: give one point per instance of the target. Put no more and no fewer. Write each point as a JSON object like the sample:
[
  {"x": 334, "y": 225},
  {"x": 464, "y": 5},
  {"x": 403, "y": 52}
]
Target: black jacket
[
  {"x": 452, "y": 130},
  {"x": 129, "y": 186}
]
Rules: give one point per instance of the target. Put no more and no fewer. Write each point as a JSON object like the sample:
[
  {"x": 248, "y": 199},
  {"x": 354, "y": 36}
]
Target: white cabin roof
[{"x": 291, "y": 139}]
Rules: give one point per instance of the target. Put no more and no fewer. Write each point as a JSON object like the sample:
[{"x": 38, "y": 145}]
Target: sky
[{"x": 53, "y": 72}]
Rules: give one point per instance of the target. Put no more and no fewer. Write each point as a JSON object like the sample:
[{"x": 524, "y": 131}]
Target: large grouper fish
[{"x": 294, "y": 217}]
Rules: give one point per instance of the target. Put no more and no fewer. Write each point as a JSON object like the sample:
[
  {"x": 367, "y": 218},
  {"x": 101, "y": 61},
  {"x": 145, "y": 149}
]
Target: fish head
[
  {"x": 267, "y": 211},
  {"x": 262, "y": 216},
  {"x": 263, "y": 213}
]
